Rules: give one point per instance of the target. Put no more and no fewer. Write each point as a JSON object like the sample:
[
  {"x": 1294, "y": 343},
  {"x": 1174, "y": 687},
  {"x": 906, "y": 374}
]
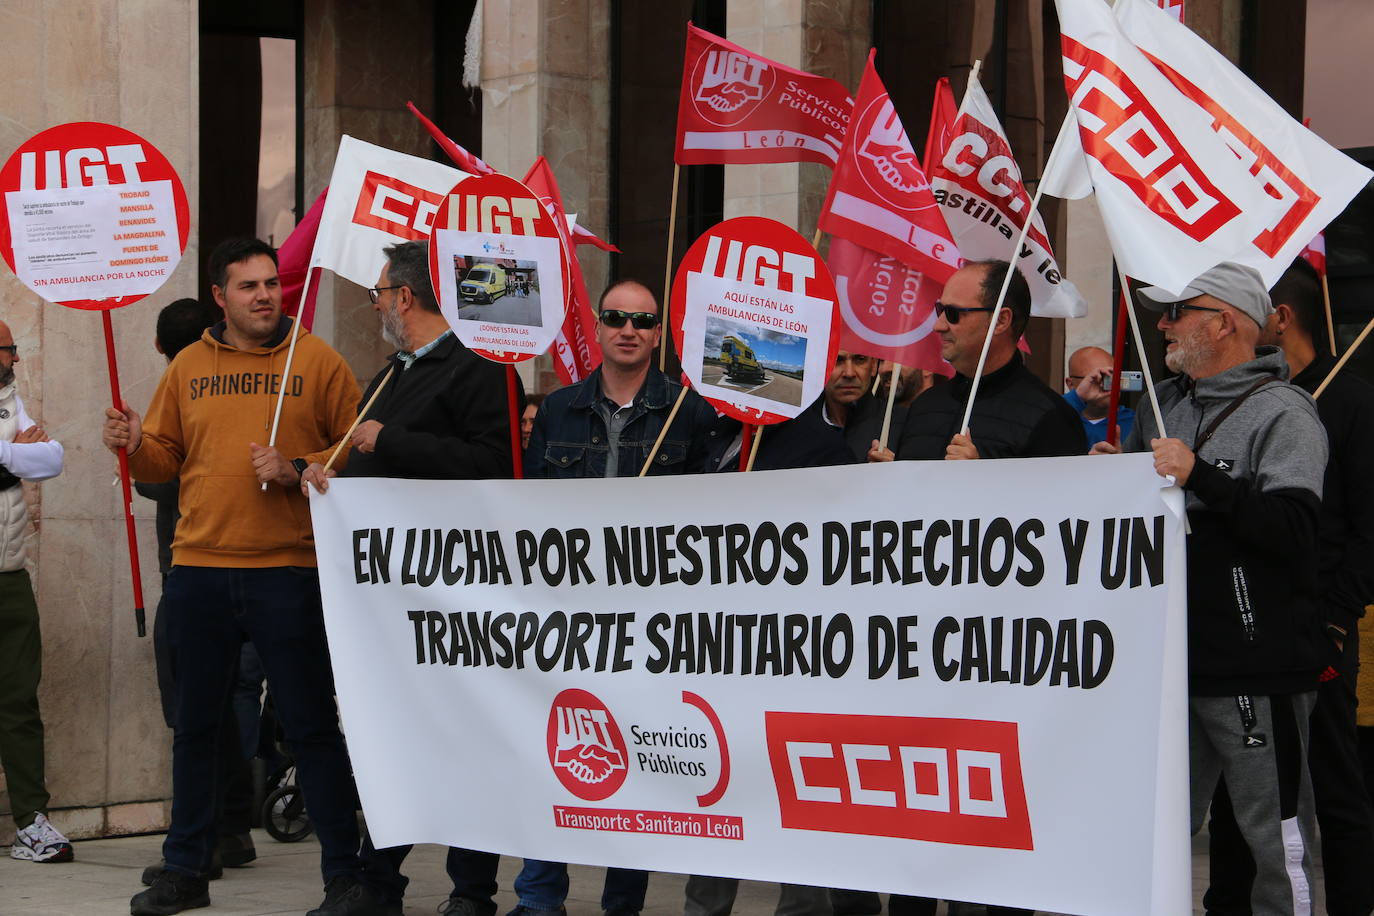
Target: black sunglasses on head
[
  {"x": 615, "y": 318},
  {"x": 952, "y": 313},
  {"x": 1175, "y": 309}
]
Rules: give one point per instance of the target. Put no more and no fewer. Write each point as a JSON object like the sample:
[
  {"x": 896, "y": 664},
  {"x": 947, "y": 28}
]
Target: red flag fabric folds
[
  {"x": 737, "y": 107},
  {"x": 293, "y": 264}
]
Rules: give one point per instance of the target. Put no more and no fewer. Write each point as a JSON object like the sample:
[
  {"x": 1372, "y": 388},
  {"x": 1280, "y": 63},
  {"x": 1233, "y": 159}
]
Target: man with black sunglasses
[
  {"x": 1016, "y": 415},
  {"x": 1250, "y": 453},
  {"x": 605, "y": 425}
]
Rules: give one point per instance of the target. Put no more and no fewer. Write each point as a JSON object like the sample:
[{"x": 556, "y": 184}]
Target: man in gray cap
[{"x": 1250, "y": 452}]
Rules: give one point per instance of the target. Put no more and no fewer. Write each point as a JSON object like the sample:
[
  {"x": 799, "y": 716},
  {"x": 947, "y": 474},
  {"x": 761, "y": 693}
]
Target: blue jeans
[
  {"x": 211, "y": 611},
  {"x": 544, "y": 886}
]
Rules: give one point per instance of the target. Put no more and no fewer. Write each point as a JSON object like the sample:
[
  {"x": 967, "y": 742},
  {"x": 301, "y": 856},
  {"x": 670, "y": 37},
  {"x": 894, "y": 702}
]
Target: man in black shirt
[{"x": 1016, "y": 415}]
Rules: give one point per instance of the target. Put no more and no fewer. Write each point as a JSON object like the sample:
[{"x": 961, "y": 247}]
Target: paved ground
[
  {"x": 509, "y": 309},
  {"x": 285, "y": 879},
  {"x": 773, "y": 386}
]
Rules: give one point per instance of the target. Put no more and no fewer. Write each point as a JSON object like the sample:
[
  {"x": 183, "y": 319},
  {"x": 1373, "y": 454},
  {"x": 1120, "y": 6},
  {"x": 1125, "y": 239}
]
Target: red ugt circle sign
[
  {"x": 754, "y": 319},
  {"x": 500, "y": 268},
  {"x": 92, "y": 216}
]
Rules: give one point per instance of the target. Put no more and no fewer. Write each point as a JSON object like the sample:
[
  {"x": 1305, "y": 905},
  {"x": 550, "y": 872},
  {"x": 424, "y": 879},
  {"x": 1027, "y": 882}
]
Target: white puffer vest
[{"x": 14, "y": 512}]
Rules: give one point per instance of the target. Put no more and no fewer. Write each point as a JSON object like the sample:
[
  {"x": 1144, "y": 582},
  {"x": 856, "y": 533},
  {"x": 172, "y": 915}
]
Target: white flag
[
  {"x": 1313, "y": 181},
  {"x": 1175, "y": 200},
  {"x": 377, "y": 197},
  {"x": 978, "y": 185}
]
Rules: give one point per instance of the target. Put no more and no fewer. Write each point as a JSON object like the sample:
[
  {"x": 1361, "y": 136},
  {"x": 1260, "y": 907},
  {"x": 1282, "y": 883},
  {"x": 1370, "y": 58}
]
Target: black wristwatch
[{"x": 300, "y": 464}]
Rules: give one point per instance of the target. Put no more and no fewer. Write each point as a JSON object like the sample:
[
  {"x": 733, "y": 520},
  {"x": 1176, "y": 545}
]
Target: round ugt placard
[
  {"x": 499, "y": 268},
  {"x": 753, "y": 313},
  {"x": 94, "y": 217}
]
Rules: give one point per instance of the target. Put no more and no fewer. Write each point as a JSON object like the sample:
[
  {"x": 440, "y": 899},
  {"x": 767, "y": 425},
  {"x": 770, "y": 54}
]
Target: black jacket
[
  {"x": 1016, "y": 416},
  {"x": 569, "y": 439},
  {"x": 805, "y": 441},
  {"x": 444, "y": 418},
  {"x": 1253, "y": 498},
  {"x": 1346, "y": 524}
]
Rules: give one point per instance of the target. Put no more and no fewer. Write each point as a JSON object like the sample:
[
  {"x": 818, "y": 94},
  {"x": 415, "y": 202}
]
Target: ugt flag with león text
[
  {"x": 737, "y": 107},
  {"x": 1175, "y": 200}
]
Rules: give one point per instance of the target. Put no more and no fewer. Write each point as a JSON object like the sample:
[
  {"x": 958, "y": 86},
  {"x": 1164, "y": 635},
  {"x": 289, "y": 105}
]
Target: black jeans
[{"x": 211, "y": 611}]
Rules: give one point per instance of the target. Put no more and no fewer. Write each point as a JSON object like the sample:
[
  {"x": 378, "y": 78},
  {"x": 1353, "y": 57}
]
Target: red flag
[
  {"x": 886, "y": 307},
  {"x": 584, "y": 236},
  {"x": 1315, "y": 253},
  {"x": 943, "y": 113},
  {"x": 574, "y": 354},
  {"x": 293, "y": 263},
  {"x": 461, "y": 157},
  {"x": 879, "y": 198},
  {"x": 737, "y": 107}
]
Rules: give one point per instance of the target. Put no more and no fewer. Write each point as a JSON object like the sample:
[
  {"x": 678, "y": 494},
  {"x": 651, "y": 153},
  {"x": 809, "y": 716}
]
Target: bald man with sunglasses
[{"x": 1016, "y": 415}]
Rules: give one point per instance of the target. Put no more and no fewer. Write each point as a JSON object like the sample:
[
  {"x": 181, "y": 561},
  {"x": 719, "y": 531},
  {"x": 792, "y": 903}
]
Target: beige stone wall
[
  {"x": 545, "y": 91},
  {"x": 132, "y": 63}
]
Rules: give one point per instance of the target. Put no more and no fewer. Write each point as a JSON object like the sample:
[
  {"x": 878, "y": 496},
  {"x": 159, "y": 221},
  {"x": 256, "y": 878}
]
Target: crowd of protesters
[{"x": 1281, "y": 518}]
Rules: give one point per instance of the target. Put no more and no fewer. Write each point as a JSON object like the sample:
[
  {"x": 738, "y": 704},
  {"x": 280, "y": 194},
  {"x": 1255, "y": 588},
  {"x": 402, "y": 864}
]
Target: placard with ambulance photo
[
  {"x": 498, "y": 268},
  {"x": 753, "y": 314}
]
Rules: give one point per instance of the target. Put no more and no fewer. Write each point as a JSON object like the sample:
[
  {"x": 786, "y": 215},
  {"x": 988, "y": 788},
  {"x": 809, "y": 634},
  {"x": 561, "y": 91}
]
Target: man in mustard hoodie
[{"x": 244, "y": 559}]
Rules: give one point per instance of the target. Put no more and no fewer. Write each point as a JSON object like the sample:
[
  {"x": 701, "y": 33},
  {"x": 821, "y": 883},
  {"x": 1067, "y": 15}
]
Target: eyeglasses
[
  {"x": 375, "y": 293},
  {"x": 615, "y": 318},
  {"x": 1174, "y": 309},
  {"x": 952, "y": 313},
  {"x": 13, "y": 348}
]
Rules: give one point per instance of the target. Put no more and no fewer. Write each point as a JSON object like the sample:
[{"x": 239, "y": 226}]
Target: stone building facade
[{"x": 590, "y": 84}]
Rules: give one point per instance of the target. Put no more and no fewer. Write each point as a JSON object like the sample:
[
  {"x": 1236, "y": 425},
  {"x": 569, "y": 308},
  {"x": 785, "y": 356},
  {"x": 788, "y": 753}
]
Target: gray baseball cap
[{"x": 1237, "y": 285}]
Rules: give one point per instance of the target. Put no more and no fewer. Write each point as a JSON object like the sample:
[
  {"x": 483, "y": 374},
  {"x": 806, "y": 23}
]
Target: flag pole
[
  {"x": 891, "y": 399},
  {"x": 1056, "y": 150},
  {"x": 513, "y": 401},
  {"x": 1330, "y": 325},
  {"x": 668, "y": 270},
  {"x": 310, "y": 278},
  {"x": 649, "y": 459},
  {"x": 754, "y": 449},
  {"x": 334, "y": 456},
  {"x": 1345, "y": 358},
  {"x": 972, "y": 78},
  {"x": 135, "y": 575},
  {"x": 1140, "y": 349}
]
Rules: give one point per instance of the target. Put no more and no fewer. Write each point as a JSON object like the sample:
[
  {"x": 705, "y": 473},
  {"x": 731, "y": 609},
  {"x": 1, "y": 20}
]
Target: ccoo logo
[
  {"x": 727, "y": 86},
  {"x": 585, "y": 746}
]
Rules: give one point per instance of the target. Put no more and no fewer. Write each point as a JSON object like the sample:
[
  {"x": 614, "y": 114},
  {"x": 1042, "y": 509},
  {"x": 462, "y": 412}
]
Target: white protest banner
[
  {"x": 755, "y": 322},
  {"x": 956, "y": 679},
  {"x": 92, "y": 216},
  {"x": 1313, "y": 180},
  {"x": 499, "y": 268},
  {"x": 377, "y": 197},
  {"x": 979, "y": 185},
  {"x": 1175, "y": 200}
]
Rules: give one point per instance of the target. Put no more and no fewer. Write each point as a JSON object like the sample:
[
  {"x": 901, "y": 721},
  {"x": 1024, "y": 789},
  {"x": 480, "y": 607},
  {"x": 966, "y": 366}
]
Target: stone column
[
  {"x": 545, "y": 92},
  {"x": 132, "y": 63}
]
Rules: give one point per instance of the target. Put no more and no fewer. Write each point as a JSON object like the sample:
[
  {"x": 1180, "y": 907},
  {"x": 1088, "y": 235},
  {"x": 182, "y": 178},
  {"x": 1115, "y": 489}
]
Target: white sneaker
[{"x": 41, "y": 842}]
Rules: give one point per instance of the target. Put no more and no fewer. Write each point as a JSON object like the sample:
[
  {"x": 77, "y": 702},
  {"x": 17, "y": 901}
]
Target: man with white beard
[{"x": 1250, "y": 453}]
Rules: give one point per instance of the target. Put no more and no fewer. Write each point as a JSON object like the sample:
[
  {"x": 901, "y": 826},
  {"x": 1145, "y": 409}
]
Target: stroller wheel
[{"x": 283, "y": 815}]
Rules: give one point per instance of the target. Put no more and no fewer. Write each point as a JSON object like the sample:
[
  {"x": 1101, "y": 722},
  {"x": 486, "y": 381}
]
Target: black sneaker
[
  {"x": 152, "y": 871},
  {"x": 172, "y": 892},
  {"x": 344, "y": 895},
  {"x": 236, "y": 850},
  {"x": 465, "y": 906}
]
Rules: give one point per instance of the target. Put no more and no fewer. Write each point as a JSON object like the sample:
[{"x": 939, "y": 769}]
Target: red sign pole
[
  {"x": 513, "y": 399},
  {"x": 1118, "y": 360},
  {"x": 134, "y": 574}
]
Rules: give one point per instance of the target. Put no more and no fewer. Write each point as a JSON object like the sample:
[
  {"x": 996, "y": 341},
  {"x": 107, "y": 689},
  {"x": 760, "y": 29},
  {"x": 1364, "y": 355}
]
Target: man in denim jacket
[{"x": 605, "y": 425}]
